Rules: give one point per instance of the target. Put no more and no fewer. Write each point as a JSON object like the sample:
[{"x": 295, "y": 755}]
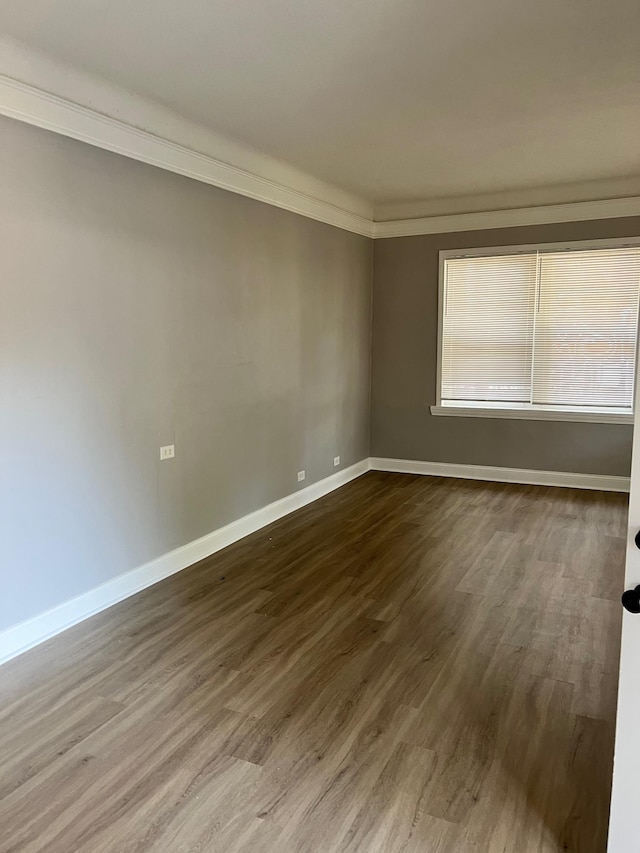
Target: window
[{"x": 542, "y": 332}]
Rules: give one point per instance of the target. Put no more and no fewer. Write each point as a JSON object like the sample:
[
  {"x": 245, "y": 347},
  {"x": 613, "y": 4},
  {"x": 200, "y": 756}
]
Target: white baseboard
[
  {"x": 25, "y": 635},
  {"x": 30, "y": 633},
  {"x": 600, "y": 482}
]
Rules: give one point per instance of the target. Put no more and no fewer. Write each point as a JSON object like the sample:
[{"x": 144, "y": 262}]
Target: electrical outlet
[
  {"x": 168, "y": 451},
  {"x": 301, "y": 476},
  {"x": 336, "y": 461}
]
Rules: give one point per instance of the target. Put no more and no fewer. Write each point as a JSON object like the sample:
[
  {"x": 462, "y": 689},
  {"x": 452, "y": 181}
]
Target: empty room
[{"x": 319, "y": 485}]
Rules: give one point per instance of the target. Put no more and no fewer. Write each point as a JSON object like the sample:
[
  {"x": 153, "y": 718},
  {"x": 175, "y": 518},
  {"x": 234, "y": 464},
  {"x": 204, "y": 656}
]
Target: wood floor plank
[{"x": 409, "y": 664}]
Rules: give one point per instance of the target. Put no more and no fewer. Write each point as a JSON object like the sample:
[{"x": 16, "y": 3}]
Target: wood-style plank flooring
[{"x": 410, "y": 664}]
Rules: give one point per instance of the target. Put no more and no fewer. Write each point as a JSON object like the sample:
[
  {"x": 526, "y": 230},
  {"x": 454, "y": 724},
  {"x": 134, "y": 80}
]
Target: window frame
[{"x": 527, "y": 411}]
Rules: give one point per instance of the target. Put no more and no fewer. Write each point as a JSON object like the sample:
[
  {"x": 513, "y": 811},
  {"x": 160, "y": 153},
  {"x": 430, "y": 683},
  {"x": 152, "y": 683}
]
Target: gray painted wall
[
  {"x": 140, "y": 309},
  {"x": 405, "y": 325}
]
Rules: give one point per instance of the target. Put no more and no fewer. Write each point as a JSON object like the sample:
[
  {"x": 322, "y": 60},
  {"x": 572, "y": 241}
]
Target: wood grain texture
[{"x": 409, "y": 664}]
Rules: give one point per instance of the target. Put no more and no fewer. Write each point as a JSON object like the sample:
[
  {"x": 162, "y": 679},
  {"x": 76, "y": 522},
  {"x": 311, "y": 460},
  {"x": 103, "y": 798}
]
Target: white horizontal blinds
[
  {"x": 586, "y": 328},
  {"x": 487, "y": 329}
]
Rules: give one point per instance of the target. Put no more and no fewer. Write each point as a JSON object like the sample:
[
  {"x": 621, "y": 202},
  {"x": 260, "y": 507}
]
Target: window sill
[{"x": 600, "y": 416}]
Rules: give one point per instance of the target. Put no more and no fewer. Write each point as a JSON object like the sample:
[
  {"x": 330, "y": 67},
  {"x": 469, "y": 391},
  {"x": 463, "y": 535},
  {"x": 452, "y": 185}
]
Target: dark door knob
[
  {"x": 631, "y": 600},
  {"x": 637, "y": 539}
]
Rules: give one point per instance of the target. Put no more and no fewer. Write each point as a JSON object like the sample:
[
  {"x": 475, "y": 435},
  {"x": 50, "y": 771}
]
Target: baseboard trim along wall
[
  {"x": 30, "y": 633},
  {"x": 600, "y": 482}
]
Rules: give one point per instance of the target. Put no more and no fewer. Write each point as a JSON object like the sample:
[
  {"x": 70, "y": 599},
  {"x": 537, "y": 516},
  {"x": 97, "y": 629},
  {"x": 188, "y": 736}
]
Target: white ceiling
[{"x": 394, "y": 100}]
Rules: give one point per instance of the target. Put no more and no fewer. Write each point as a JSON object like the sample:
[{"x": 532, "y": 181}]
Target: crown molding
[
  {"x": 35, "y": 106},
  {"x": 80, "y": 88},
  {"x": 45, "y": 93},
  {"x": 513, "y": 199},
  {"x": 581, "y": 211}
]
